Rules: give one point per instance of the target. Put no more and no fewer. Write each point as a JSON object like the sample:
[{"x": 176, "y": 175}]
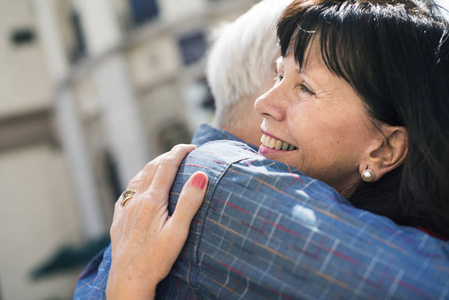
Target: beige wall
[
  {"x": 39, "y": 208},
  {"x": 175, "y": 9},
  {"x": 153, "y": 61},
  {"x": 24, "y": 81},
  {"x": 38, "y": 215}
]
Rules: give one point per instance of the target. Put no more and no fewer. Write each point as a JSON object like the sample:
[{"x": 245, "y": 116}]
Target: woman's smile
[{"x": 272, "y": 142}]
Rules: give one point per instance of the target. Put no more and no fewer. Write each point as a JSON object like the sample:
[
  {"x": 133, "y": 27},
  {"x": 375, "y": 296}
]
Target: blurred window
[
  {"x": 79, "y": 48},
  {"x": 22, "y": 36},
  {"x": 113, "y": 176},
  {"x": 208, "y": 100},
  {"x": 193, "y": 46},
  {"x": 143, "y": 10}
]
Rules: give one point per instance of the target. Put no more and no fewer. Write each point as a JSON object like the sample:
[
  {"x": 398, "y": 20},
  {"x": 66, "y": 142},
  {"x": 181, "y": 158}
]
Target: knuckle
[
  {"x": 152, "y": 165},
  {"x": 150, "y": 196},
  {"x": 174, "y": 155},
  {"x": 154, "y": 200},
  {"x": 189, "y": 203},
  {"x": 133, "y": 183},
  {"x": 149, "y": 166},
  {"x": 168, "y": 161},
  {"x": 178, "y": 147}
]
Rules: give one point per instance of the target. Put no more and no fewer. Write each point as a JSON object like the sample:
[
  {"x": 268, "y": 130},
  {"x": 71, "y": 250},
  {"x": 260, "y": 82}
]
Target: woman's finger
[
  {"x": 132, "y": 185},
  {"x": 144, "y": 226},
  {"x": 168, "y": 167},
  {"x": 189, "y": 202},
  {"x": 148, "y": 173}
]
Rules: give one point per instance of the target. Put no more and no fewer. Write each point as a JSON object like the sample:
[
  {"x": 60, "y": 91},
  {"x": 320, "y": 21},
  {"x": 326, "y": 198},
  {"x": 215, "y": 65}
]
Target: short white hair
[{"x": 242, "y": 58}]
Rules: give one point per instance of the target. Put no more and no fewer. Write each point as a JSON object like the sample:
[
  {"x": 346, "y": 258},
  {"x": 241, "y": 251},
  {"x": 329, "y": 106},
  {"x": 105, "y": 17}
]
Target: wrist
[
  {"x": 129, "y": 287},
  {"x": 130, "y": 292}
]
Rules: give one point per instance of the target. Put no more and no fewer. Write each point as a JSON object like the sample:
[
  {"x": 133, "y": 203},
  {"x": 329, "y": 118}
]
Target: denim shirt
[
  {"x": 92, "y": 282},
  {"x": 206, "y": 132},
  {"x": 267, "y": 231}
]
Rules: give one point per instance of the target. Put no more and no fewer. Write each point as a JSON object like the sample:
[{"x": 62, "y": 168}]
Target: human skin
[
  {"x": 311, "y": 109},
  {"x": 143, "y": 223},
  {"x": 322, "y": 116},
  {"x": 247, "y": 127}
]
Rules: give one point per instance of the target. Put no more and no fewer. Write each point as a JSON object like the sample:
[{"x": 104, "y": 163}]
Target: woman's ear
[{"x": 387, "y": 154}]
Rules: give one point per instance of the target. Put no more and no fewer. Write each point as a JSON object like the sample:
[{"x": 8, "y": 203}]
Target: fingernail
[{"x": 199, "y": 180}]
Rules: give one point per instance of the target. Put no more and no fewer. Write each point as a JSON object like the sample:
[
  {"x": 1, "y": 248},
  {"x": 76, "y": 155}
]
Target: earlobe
[{"x": 388, "y": 154}]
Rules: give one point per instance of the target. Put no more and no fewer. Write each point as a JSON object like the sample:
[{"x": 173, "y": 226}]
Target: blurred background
[{"x": 90, "y": 90}]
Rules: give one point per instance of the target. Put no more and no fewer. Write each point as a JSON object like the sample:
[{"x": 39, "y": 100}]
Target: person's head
[
  {"x": 241, "y": 66},
  {"x": 364, "y": 84}
]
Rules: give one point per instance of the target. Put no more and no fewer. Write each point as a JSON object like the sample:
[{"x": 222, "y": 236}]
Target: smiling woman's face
[{"x": 321, "y": 117}]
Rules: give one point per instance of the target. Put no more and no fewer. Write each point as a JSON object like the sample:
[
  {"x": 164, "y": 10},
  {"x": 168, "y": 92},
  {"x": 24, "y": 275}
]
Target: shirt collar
[{"x": 207, "y": 132}]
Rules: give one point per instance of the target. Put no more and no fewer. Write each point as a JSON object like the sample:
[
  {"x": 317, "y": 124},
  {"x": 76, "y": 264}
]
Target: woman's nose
[{"x": 271, "y": 104}]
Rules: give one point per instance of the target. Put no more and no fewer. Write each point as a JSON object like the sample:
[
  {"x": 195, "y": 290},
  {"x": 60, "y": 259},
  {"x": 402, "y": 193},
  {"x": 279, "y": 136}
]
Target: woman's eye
[{"x": 306, "y": 89}]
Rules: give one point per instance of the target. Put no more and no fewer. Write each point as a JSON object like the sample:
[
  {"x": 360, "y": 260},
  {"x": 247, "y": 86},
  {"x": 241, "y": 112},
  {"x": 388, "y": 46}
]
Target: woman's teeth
[{"x": 273, "y": 143}]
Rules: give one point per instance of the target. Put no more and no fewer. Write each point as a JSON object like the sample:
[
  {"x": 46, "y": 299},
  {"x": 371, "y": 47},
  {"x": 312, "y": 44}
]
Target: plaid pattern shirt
[{"x": 267, "y": 231}]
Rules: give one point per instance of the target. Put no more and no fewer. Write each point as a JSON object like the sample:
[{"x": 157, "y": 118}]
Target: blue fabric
[
  {"x": 93, "y": 280},
  {"x": 267, "y": 231},
  {"x": 206, "y": 132}
]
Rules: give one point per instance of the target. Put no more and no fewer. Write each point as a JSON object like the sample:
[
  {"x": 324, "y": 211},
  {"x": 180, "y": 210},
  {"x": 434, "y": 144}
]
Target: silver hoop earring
[{"x": 367, "y": 175}]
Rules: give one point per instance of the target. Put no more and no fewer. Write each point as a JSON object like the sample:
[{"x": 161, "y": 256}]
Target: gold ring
[{"x": 127, "y": 195}]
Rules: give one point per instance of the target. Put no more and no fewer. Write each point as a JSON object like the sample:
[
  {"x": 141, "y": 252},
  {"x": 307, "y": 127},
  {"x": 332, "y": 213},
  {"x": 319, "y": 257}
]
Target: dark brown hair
[{"x": 395, "y": 54}]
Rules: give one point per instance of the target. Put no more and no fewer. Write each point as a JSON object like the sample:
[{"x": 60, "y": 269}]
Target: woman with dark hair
[
  {"x": 394, "y": 55},
  {"x": 361, "y": 103}
]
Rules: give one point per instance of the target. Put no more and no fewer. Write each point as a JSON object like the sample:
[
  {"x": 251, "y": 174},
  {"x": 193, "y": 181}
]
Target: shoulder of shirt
[
  {"x": 242, "y": 163},
  {"x": 237, "y": 153},
  {"x": 229, "y": 152},
  {"x": 206, "y": 132},
  {"x": 235, "y": 168}
]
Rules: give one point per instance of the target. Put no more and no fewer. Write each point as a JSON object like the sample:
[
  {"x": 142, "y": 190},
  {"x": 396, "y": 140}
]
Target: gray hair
[{"x": 242, "y": 59}]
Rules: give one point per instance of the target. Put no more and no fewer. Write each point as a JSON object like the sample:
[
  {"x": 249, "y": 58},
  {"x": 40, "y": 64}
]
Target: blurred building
[{"x": 90, "y": 91}]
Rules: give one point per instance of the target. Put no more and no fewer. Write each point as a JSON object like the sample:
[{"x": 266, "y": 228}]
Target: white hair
[{"x": 242, "y": 59}]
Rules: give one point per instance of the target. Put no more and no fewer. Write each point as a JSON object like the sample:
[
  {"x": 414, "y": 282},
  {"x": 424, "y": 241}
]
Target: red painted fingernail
[{"x": 199, "y": 180}]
